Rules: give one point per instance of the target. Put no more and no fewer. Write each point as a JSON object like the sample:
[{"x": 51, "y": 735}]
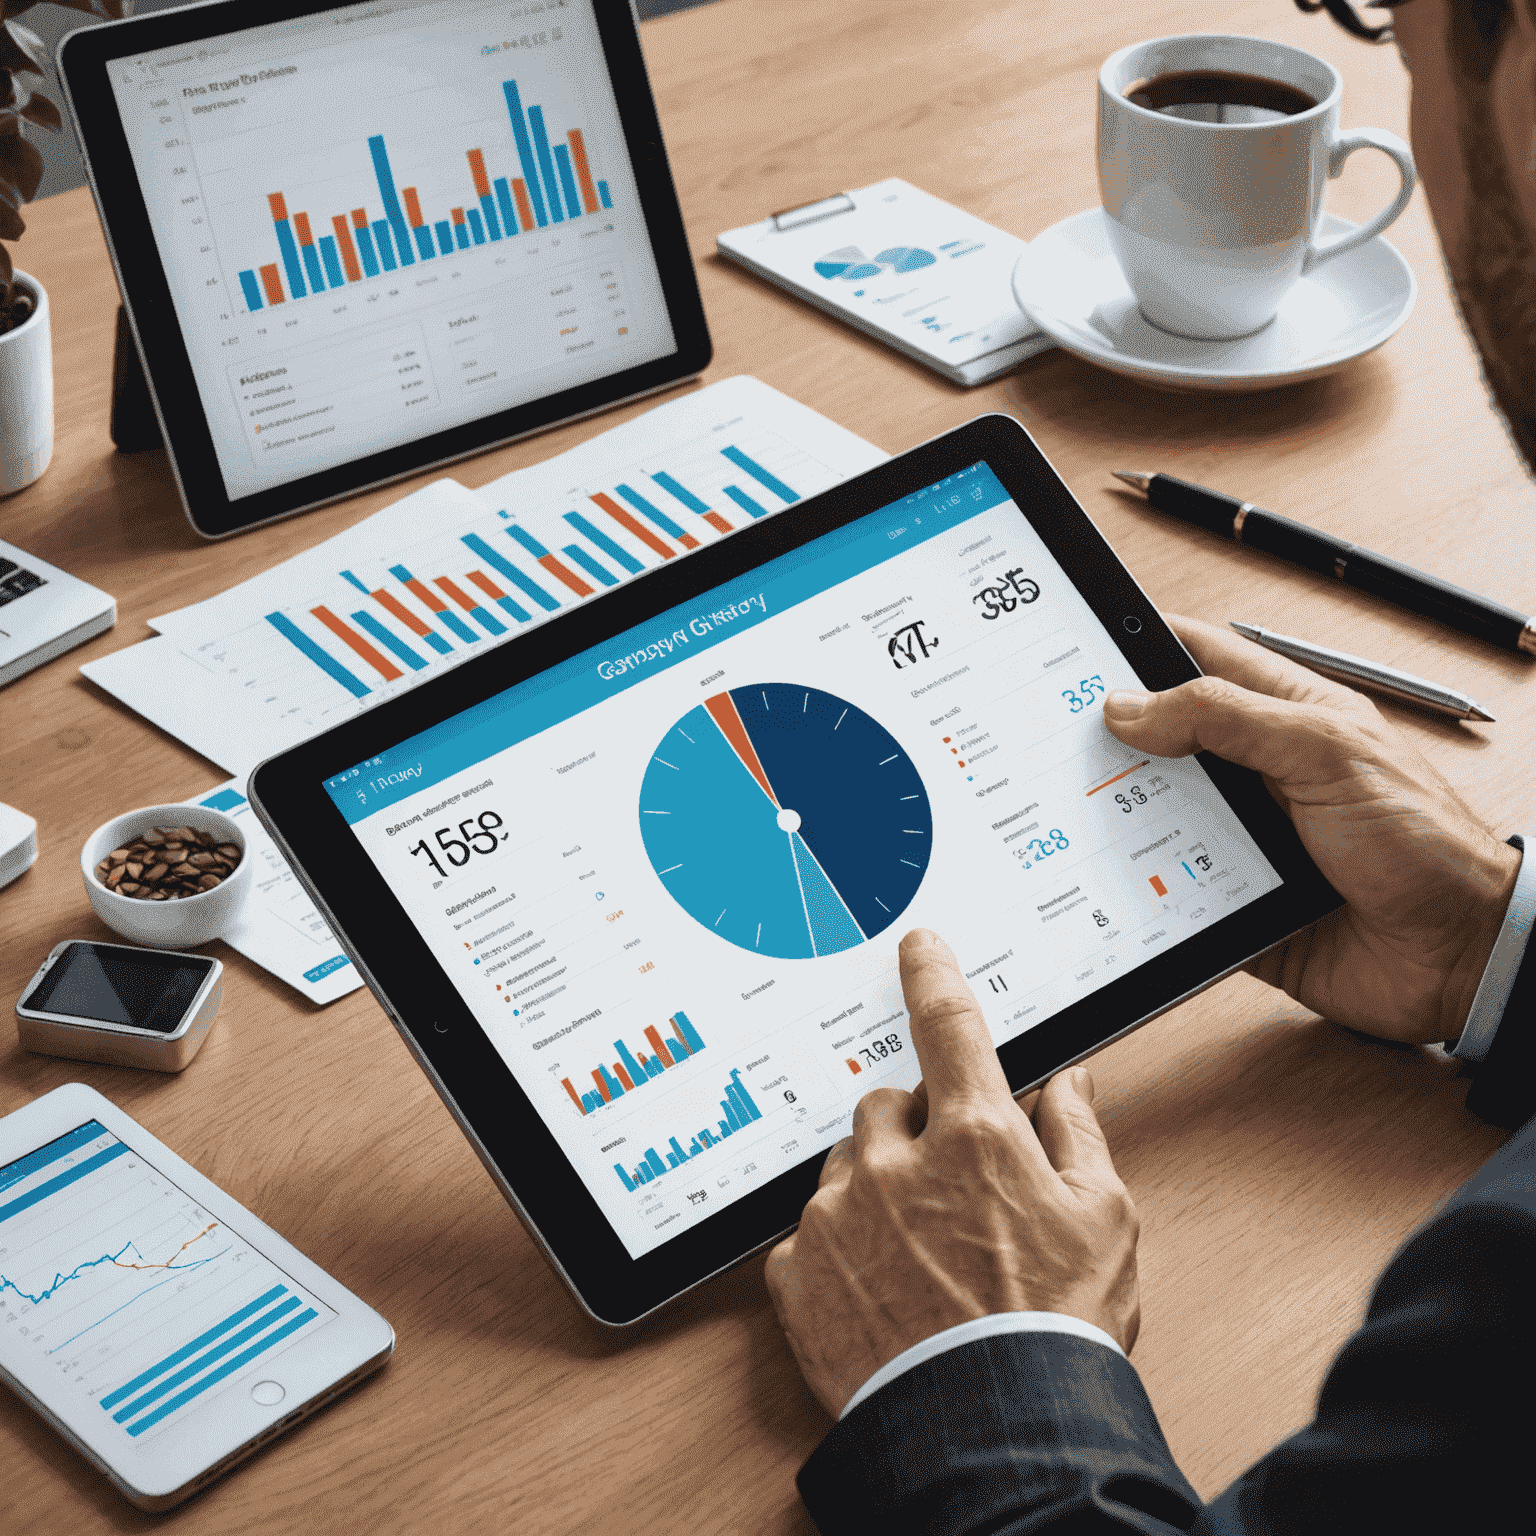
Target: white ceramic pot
[
  {"x": 167, "y": 924},
  {"x": 26, "y": 395}
]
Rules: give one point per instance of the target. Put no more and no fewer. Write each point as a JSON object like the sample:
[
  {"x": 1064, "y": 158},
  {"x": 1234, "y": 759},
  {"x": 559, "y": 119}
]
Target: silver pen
[{"x": 1403, "y": 686}]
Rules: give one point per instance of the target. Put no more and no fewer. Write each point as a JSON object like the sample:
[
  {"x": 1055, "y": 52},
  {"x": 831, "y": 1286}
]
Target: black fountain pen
[{"x": 1355, "y": 566}]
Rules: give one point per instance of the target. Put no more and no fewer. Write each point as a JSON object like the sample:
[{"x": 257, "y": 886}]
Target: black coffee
[{"x": 1219, "y": 96}]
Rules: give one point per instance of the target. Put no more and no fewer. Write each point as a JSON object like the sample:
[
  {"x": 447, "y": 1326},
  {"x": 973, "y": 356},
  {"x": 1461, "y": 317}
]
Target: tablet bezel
[
  {"x": 163, "y": 352},
  {"x": 289, "y": 794}
]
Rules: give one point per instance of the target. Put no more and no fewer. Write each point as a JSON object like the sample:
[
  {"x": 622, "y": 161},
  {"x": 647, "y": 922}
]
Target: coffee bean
[{"x": 169, "y": 864}]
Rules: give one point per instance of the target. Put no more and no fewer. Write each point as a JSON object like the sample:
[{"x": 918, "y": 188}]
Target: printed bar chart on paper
[
  {"x": 448, "y": 572},
  {"x": 635, "y": 1070},
  {"x": 142, "y": 1301},
  {"x": 737, "y": 1111}
]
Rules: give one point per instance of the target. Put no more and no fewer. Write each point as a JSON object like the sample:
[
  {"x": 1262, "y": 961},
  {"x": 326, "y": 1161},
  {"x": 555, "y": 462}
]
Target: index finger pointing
[{"x": 949, "y": 1032}]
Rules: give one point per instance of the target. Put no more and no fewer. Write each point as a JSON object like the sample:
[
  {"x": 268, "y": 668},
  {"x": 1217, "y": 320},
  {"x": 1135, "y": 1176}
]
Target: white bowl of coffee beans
[{"x": 170, "y": 876}]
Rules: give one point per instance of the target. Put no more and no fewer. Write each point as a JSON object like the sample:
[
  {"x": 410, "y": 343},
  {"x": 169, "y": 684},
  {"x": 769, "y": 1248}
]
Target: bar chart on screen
[{"x": 142, "y": 1301}]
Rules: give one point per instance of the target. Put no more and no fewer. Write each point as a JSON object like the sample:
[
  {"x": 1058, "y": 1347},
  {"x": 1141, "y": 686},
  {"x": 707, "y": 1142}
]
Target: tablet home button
[
  {"x": 268, "y": 1393},
  {"x": 1132, "y": 624}
]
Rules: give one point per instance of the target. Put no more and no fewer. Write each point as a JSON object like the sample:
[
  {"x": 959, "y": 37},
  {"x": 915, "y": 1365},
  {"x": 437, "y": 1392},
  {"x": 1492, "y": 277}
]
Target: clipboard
[{"x": 904, "y": 267}]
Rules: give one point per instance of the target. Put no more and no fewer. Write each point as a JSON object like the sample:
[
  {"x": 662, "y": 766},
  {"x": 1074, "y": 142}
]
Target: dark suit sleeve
[
  {"x": 1504, "y": 1082},
  {"x": 1422, "y": 1425}
]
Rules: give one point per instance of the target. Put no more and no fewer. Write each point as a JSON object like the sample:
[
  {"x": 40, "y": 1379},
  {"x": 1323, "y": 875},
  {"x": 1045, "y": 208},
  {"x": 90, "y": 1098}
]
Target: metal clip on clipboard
[{"x": 811, "y": 213}]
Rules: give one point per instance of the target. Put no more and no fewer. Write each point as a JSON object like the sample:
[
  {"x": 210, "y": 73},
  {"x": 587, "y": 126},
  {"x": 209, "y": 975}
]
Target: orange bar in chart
[
  {"x": 412, "y": 207},
  {"x": 583, "y": 170},
  {"x": 401, "y": 612},
  {"x": 348, "y": 250},
  {"x": 662, "y": 1054},
  {"x": 640, "y": 531},
  {"x": 853, "y": 1066},
  {"x": 457, "y": 593},
  {"x": 567, "y": 575},
  {"x": 477, "y": 170},
  {"x": 716, "y": 521},
  {"x": 360, "y": 218},
  {"x": 682, "y": 1048},
  {"x": 1156, "y": 882},
  {"x": 524, "y": 207},
  {"x": 272, "y": 283},
  {"x": 1123, "y": 774},
  {"x": 423, "y": 596},
  {"x": 349, "y": 636},
  {"x": 278, "y": 204},
  {"x": 458, "y": 215},
  {"x": 486, "y": 585},
  {"x": 623, "y": 1076},
  {"x": 301, "y": 229},
  {"x": 565, "y": 1083},
  {"x": 602, "y": 1087}
]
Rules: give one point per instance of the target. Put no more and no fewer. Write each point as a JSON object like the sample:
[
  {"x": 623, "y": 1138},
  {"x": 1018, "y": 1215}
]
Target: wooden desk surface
[{"x": 1276, "y": 1160}]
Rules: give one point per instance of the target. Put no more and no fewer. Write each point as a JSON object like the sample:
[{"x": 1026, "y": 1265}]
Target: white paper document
[
  {"x": 278, "y": 927},
  {"x": 447, "y": 572},
  {"x": 908, "y": 268}
]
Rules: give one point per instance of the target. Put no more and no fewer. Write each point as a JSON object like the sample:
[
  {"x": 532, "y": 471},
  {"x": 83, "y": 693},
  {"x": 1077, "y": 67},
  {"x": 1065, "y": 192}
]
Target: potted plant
[{"x": 26, "y": 353}]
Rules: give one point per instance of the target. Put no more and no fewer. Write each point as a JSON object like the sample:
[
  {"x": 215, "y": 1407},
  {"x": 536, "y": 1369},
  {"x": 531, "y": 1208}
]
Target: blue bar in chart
[
  {"x": 745, "y": 502},
  {"x": 602, "y": 192},
  {"x": 332, "y": 261},
  {"x": 546, "y": 164},
  {"x": 365, "y": 250},
  {"x": 251, "y": 290},
  {"x": 397, "y": 645},
  {"x": 445, "y": 237},
  {"x": 433, "y": 603},
  {"x": 504, "y": 202},
  {"x": 312, "y": 268},
  {"x": 682, "y": 493},
  {"x": 392, "y": 211},
  {"x": 567, "y": 179},
  {"x": 525, "y": 152},
  {"x": 511, "y": 572},
  {"x": 592, "y": 567},
  {"x": 291, "y": 632},
  {"x": 386, "y": 245},
  {"x": 740, "y": 1111},
  {"x": 285, "y": 243},
  {"x": 356, "y": 581},
  {"x": 758, "y": 473},
  {"x": 476, "y": 226},
  {"x": 586, "y": 527}
]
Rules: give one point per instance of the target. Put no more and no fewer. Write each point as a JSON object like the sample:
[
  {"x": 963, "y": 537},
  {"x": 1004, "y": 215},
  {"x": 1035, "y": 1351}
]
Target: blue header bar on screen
[{"x": 678, "y": 635}]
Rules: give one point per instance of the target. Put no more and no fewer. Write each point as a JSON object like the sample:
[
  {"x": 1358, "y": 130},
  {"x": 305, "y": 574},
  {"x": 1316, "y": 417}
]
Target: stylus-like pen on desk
[
  {"x": 1403, "y": 686},
  {"x": 1355, "y": 566}
]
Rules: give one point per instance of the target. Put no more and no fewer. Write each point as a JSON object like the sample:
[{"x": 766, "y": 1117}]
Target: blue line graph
[{"x": 140, "y": 1297}]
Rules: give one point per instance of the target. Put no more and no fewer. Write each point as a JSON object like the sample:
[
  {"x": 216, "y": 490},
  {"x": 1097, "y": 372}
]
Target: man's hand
[
  {"x": 1425, "y": 882},
  {"x": 947, "y": 1204}
]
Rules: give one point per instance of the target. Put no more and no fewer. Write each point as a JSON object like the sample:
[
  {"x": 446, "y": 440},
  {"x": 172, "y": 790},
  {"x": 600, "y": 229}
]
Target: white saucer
[{"x": 1069, "y": 283}]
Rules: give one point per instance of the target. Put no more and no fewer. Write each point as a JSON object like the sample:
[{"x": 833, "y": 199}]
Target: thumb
[
  {"x": 1070, "y": 1133},
  {"x": 1291, "y": 741}
]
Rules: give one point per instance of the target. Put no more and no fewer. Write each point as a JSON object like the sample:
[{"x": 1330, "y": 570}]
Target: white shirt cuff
[
  {"x": 1503, "y": 965},
  {"x": 968, "y": 1333}
]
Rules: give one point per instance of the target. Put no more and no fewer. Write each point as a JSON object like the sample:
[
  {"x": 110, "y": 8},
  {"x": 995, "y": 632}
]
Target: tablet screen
[
  {"x": 668, "y": 876},
  {"x": 386, "y": 220},
  {"x": 142, "y": 1302}
]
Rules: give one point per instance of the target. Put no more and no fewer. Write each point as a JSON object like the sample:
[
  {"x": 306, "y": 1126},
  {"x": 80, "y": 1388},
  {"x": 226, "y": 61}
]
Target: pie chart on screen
[{"x": 785, "y": 820}]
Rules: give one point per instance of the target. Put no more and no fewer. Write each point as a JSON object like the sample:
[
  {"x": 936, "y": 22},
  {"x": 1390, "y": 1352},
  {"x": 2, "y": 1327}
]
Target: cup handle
[{"x": 1338, "y": 152}]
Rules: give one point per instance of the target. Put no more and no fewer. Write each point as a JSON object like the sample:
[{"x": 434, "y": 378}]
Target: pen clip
[{"x": 811, "y": 213}]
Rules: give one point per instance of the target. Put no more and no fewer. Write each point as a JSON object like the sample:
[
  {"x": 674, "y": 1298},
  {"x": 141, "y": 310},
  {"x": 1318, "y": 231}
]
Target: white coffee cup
[{"x": 1213, "y": 222}]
